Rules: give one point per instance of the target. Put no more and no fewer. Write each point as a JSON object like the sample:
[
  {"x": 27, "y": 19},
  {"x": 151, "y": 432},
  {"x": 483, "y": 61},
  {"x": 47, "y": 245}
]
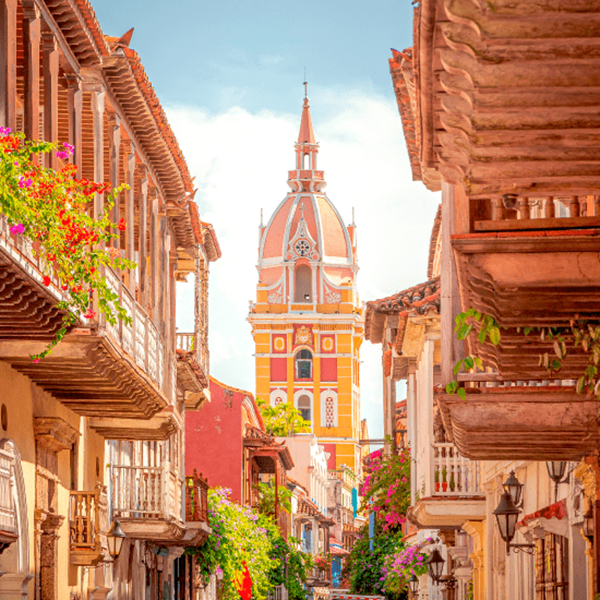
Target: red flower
[
  {"x": 47, "y": 280},
  {"x": 121, "y": 225},
  {"x": 90, "y": 314}
]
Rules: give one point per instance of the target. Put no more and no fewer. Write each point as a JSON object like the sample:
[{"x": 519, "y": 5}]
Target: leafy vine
[{"x": 52, "y": 209}]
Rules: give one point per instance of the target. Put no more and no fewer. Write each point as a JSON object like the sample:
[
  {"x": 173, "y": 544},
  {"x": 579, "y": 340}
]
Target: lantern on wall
[
  {"x": 413, "y": 585},
  {"x": 114, "y": 538},
  {"x": 506, "y": 514},
  {"x": 557, "y": 471},
  {"x": 435, "y": 565},
  {"x": 515, "y": 488}
]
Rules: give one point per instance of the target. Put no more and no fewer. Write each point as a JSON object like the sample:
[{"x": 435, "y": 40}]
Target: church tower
[{"x": 306, "y": 322}]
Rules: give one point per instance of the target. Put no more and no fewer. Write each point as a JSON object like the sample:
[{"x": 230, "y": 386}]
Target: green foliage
[
  {"x": 366, "y": 566},
  {"x": 266, "y": 494},
  {"x": 282, "y": 420},
  {"x": 240, "y": 534},
  {"x": 52, "y": 209}
]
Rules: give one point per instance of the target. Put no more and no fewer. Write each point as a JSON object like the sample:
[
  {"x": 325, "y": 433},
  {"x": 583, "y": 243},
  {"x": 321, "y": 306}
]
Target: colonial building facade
[{"x": 307, "y": 322}]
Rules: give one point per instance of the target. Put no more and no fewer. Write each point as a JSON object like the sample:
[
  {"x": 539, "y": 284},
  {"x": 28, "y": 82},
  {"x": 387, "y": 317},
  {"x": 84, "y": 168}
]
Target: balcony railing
[
  {"x": 141, "y": 339},
  {"x": 146, "y": 492},
  {"x": 196, "y": 498},
  {"x": 453, "y": 474},
  {"x": 190, "y": 342},
  {"x": 548, "y": 212},
  {"x": 88, "y": 522},
  {"x": 8, "y": 521}
]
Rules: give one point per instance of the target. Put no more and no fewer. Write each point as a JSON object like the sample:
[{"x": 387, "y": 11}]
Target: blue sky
[{"x": 229, "y": 75}]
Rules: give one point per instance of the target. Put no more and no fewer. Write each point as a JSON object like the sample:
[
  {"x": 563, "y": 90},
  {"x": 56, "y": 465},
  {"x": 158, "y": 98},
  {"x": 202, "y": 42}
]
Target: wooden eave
[
  {"x": 159, "y": 427},
  {"x": 507, "y": 95},
  {"x": 125, "y": 86},
  {"x": 192, "y": 381},
  {"x": 89, "y": 374},
  {"x": 78, "y": 24},
  {"x": 521, "y": 423}
]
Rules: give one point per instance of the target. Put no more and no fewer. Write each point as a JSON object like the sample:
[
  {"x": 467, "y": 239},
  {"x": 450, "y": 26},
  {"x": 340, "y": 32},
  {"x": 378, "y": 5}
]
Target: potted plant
[
  {"x": 452, "y": 483},
  {"x": 437, "y": 480},
  {"x": 444, "y": 482}
]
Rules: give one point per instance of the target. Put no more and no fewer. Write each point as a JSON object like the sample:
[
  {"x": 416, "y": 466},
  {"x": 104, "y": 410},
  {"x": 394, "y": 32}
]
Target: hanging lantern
[
  {"x": 556, "y": 470},
  {"x": 413, "y": 584},
  {"x": 435, "y": 565},
  {"x": 588, "y": 524},
  {"x": 115, "y": 539},
  {"x": 506, "y": 516},
  {"x": 514, "y": 488}
]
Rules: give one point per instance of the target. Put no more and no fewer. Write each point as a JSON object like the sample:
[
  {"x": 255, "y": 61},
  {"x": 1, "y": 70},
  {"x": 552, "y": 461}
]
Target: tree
[{"x": 282, "y": 420}]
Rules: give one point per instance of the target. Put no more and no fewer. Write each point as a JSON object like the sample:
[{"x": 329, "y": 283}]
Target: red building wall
[{"x": 213, "y": 439}]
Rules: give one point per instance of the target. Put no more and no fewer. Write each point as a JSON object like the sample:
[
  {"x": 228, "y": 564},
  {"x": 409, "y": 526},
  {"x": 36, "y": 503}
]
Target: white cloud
[{"x": 241, "y": 160}]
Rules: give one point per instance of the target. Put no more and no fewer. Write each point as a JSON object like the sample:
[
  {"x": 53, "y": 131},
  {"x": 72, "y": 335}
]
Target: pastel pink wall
[{"x": 213, "y": 440}]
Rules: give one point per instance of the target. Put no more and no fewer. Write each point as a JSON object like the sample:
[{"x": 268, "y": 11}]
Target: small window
[
  {"x": 304, "y": 365},
  {"x": 304, "y": 407}
]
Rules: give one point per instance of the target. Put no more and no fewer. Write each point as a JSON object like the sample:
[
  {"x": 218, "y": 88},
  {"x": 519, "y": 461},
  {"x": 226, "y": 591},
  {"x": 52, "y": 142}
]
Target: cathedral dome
[{"x": 306, "y": 252}]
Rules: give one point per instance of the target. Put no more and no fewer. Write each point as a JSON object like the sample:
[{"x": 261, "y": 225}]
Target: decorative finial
[
  {"x": 261, "y": 217},
  {"x": 353, "y": 216},
  {"x": 305, "y": 85}
]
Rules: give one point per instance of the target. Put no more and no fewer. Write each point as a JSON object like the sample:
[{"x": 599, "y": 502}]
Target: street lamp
[
  {"x": 435, "y": 565},
  {"x": 556, "y": 472},
  {"x": 506, "y": 516},
  {"x": 413, "y": 585},
  {"x": 514, "y": 488},
  {"x": 115, "y": 539},
  {"x": 588, "y": 524}
]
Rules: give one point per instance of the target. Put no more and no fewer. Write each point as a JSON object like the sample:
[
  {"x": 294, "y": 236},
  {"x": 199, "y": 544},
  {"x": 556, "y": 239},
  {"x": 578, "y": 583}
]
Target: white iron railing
[
  {"x": 453, "y": 474},
  {"x": 146, "y": 492}
]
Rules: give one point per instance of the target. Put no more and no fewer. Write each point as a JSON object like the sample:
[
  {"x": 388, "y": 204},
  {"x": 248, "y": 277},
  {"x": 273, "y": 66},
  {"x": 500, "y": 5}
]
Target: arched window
[
  {"x": 304, "y": 406},
  {"x": 304, "y": 365},
  {"x": 303, "y": 288},
  {"x": 306, "y": 161}
]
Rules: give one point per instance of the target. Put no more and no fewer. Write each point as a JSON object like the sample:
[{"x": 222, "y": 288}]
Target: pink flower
[
  {"x": 17, "y": 229},
  {"x": 68, "y": 151},
  {"x": 5, "y": 130},
  {"x": 90, "y": 314},
  {"x": 25, "y": 182}
]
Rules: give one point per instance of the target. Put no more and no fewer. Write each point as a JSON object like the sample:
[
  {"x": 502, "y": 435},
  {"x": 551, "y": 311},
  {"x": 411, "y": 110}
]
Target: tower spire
[{"x": 307, "y": 135}]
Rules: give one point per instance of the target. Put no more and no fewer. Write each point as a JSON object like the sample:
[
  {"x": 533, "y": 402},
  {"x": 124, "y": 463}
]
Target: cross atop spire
[{"x": 307, "y": 135}]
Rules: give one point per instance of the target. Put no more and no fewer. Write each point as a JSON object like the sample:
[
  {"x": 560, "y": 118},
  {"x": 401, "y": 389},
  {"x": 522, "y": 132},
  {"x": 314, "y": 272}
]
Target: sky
[{"x": 229, "y": 75}]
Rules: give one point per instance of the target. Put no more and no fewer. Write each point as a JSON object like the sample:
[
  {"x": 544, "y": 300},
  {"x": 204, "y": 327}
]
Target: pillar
[
  {"x": 114, "y": 136},
  {"x": 50, "y": 70},
  {"x": 75, "y": 107},
  {"x": 8, "y": 64},
  {"x": 31, "y": 50},
  {"x": 143, "y": 244}
]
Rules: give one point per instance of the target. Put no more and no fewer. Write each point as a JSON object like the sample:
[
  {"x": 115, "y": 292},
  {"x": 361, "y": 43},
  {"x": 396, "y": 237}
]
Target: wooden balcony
[
  {"x": 88, "y": 522},
  {"x": 98, "y": 369},
  {"x": 148, "y": 502},
  {"x": 452, "y": 492},
  {"x": 196, "y": 498},
  {"x": 521, "y": 422},
  {"x": 192, "y": 370}
]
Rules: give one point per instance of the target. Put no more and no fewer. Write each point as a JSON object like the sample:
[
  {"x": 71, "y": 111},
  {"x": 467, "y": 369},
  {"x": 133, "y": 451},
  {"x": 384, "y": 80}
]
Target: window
[
  {"x": 304, "y": 406},
  {"x": 304, "y": 365},
  {"x": 303, "y": 289}
]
